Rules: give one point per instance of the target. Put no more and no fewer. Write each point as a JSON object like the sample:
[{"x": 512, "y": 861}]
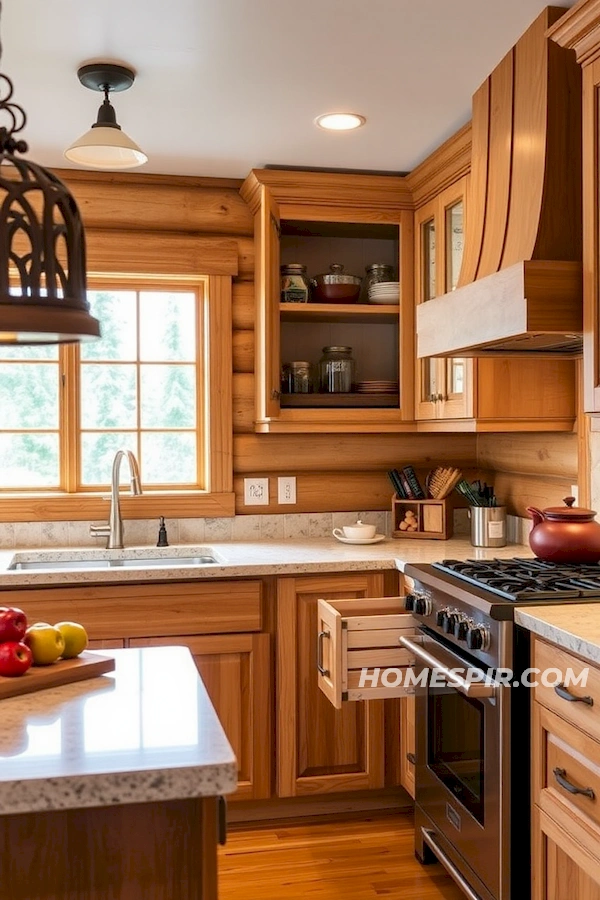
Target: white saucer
[{"x": 373, "y": 540}]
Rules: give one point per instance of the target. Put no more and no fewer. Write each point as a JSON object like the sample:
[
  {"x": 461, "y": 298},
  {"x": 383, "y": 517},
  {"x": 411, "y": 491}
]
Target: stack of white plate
[
  {"x": 377, "y": 387},
  {"x": 385, "y": 292}
]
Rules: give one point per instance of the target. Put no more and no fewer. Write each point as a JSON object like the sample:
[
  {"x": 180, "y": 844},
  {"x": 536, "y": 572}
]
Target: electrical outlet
[
  {"x": 256, "y": 491},
  {"x": 286, "y": 489}
]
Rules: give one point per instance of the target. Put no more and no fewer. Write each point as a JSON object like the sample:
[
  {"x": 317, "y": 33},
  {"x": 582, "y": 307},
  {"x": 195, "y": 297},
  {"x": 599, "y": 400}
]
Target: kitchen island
[{"x": 109, "y": 788}]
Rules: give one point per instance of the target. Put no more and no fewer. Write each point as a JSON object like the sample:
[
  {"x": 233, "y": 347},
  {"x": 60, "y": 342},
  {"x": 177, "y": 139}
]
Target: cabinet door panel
[
  {"x": 267, "y": 336},
  {"x": 236, "y": 672},
  {"x": 562, "y": 870},
  {"x": 321, "y": 749}
]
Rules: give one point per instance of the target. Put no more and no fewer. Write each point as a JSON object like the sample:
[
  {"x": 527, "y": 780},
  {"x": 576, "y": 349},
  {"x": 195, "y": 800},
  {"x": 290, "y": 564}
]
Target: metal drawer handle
[
  {"x": 411, "y": 758},
  {"x": 320, "y": 636},
  {"x": 560, "y": 775},
  {"x": 566, "y": 694}
]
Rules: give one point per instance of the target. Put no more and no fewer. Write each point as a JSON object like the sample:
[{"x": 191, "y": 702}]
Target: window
[{"x": 158, "y": 383}]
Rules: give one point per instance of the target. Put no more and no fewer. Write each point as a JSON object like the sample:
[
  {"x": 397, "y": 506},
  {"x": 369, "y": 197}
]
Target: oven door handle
[{"x": 480, "y": 686}]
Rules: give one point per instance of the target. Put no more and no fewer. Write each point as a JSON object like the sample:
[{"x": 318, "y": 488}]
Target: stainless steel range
[{"x": 472, "y": 713}]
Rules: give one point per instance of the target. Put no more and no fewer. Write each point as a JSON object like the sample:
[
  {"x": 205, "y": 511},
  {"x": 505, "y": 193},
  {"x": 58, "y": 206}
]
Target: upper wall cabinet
[
  {"x": 579, "y": 29},
  {"x": 317, "y": 219},
  {"x": 443, "y": 386}
]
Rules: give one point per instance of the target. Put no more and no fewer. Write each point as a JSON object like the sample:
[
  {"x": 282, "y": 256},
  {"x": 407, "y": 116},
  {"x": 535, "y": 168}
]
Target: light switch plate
[
  {"x": 286, "y": 489},
  {"x": 256, "y": 491}
]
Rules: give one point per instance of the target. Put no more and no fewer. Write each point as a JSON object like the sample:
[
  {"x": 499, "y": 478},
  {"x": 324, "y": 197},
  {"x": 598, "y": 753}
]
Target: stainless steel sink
[{"x": 132, "y": 562}]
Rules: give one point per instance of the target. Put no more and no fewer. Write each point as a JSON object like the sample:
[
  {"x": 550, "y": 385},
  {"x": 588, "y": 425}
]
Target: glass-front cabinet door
[{"x": 443, "y": 385}]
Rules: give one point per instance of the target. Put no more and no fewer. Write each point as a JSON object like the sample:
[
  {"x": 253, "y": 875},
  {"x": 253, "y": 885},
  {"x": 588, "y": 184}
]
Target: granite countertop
[
  {"x": 574, "y": 626},
  {"x": 242, "y": 559},
  {"x": 146, "y": 732}
]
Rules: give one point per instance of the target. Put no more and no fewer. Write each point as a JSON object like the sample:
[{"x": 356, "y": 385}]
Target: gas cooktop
[{"x": 522, "y": 580}]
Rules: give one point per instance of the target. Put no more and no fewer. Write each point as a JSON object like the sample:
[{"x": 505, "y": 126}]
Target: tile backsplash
[{"x": 294, "y": 526}]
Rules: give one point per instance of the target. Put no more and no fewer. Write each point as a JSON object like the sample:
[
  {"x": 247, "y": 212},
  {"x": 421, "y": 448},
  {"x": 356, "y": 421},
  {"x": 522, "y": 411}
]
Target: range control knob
[
  {"x": 440, "y": 617},
  {"x": 421, "y": 606},
  {"x": 409, "y": 602},
  {"x": 478, "y": 637},
  {"x": 450, "y": 622},
  {"x": 461, "y": 629}
]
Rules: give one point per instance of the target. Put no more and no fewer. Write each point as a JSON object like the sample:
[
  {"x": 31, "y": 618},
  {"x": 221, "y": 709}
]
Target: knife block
[{"x": 433, "y": 519}]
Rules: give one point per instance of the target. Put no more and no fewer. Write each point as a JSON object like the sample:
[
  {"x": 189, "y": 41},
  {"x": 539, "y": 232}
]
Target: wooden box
[{"x": 433, "y": 518}]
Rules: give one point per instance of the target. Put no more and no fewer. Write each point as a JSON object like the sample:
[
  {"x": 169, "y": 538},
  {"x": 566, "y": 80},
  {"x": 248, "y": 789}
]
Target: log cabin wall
[{"x": 334, "y": 472}]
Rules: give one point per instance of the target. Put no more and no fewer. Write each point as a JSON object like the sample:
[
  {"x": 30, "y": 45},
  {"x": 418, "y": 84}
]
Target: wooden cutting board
[{"x": 64, "y": 671}]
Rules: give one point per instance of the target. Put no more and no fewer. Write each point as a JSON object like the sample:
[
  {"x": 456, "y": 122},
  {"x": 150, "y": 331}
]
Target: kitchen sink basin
[{"x": 66, "y": 564}]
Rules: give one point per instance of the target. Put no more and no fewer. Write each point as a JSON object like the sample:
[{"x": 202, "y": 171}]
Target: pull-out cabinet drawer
[{"x": 356, "y": 638}]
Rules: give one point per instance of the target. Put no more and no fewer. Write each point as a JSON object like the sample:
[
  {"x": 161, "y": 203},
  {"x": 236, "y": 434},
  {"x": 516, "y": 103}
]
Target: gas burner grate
[{"x": 521, "y": 579}]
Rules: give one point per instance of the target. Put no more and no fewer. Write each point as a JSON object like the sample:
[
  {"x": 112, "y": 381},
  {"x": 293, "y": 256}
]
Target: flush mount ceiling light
[
  {"x": 42, "y": 245},
  {"x": 105, "y": 145},
  {"x": 340, "y": 121}
]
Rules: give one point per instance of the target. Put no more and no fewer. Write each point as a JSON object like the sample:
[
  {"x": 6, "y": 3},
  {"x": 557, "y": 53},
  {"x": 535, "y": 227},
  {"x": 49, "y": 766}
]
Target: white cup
[{"x": 356, "y": 532}]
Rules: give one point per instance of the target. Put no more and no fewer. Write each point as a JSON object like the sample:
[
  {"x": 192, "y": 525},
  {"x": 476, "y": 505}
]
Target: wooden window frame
[{"x": 119, "y": 256}]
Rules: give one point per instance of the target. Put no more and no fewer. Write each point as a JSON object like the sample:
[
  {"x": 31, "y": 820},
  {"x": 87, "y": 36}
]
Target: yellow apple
[
  {"x": 45, "y": 642},
  {"x": 75, "y": 638}
]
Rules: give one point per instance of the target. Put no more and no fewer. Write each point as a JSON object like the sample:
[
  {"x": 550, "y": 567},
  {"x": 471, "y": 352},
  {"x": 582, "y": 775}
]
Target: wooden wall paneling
[
  {"x": 278, "y": 453},
  {"x": 246, "y": 262},
  {"x": 320, "y": 492},
  {"x": 499, "y": 166},
  {"x": 154, "y": 253},
  {"x": 243, "y": 351},
  {"x": 159, "y": 202},
  {"x": 518, "y": 492},
  {"x": 243, "y": 304},
  {"x": 538, "y": 453},
  {"x": 244, "y": 413}
]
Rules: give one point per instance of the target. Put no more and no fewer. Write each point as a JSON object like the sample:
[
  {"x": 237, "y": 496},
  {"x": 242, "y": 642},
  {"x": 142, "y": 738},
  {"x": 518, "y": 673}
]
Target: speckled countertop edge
[{"x": 574, "y": 626}]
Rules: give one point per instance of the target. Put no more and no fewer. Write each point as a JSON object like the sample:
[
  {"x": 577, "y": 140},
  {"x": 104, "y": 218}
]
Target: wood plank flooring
[{"x": 357, "y": 859}]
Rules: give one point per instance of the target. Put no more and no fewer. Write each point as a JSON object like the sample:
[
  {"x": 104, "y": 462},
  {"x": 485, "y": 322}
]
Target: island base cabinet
[{"x": 144, "y": 851}]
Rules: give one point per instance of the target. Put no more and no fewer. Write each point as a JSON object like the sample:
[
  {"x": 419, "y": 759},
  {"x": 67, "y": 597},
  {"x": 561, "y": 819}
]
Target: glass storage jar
[
  {"x": 296, "y": 377},
  {"x": 376, "y": 273},
  {"x": 336, "y": 370},
  {"x": 295, "y": 285}
]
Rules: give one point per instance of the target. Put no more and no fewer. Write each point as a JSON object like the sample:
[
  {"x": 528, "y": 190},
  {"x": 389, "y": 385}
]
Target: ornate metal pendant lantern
[{"x": 43, "y": 283}]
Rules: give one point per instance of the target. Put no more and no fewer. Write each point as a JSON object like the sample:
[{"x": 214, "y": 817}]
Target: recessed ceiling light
[{"x": 340, "y": 121}]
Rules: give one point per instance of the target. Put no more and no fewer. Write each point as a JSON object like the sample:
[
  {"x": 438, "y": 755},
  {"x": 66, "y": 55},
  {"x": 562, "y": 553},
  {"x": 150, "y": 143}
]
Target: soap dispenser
[{"x": 162, "y": 533}]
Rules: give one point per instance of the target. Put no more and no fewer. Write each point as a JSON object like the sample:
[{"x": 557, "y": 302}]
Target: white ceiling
[{"x": 227, "y": 85}]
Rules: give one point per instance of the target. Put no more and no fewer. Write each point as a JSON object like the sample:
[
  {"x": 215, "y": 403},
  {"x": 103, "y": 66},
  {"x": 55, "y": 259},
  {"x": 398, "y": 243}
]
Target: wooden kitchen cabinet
[
  {"x": 236, "y": 671},
  {"x": 565, "y": 783},
  {"x": 321, "y": 749},
  {"x": 317, "y": 219},
  {"x": 491, "y": 394}
]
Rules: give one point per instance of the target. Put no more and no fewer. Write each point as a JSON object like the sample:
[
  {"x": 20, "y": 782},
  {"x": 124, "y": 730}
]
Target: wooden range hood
[{"x": 520, "y": 289}]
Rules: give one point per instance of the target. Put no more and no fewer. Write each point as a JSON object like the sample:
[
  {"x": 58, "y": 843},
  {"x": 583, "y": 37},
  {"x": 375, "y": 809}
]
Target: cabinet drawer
[
  {"x": 149, "y": 610},
  {"x": 361, "y": 634},
  {"x": 583, "y": 713},
  {"x": 569, "y": 773}
]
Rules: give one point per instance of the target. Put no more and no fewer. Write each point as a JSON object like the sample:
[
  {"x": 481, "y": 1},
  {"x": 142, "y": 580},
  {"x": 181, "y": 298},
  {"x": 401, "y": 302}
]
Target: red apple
[
  {"x": 13, "y": 623},
  {"x": 15, "y": 658}
]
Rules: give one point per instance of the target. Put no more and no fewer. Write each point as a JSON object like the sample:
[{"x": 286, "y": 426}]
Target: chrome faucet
[{"x": 113, "y": 529}]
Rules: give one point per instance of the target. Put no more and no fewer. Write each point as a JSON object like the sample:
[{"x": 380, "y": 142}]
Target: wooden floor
[{"x": 366, "y": 859}]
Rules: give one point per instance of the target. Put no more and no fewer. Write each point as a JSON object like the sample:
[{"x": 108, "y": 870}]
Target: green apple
[
  {"x": 45, "y": 642},
  {"x": 75, "y": 638}
]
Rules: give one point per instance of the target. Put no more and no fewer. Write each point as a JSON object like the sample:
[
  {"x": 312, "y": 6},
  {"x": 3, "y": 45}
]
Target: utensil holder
[
  {"x": 488, "y": 526},
  {"x": 433, "y": 518}
]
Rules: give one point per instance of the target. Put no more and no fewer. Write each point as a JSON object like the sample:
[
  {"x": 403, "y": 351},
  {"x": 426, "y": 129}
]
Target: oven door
[{"x": 459, "y": 776}]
